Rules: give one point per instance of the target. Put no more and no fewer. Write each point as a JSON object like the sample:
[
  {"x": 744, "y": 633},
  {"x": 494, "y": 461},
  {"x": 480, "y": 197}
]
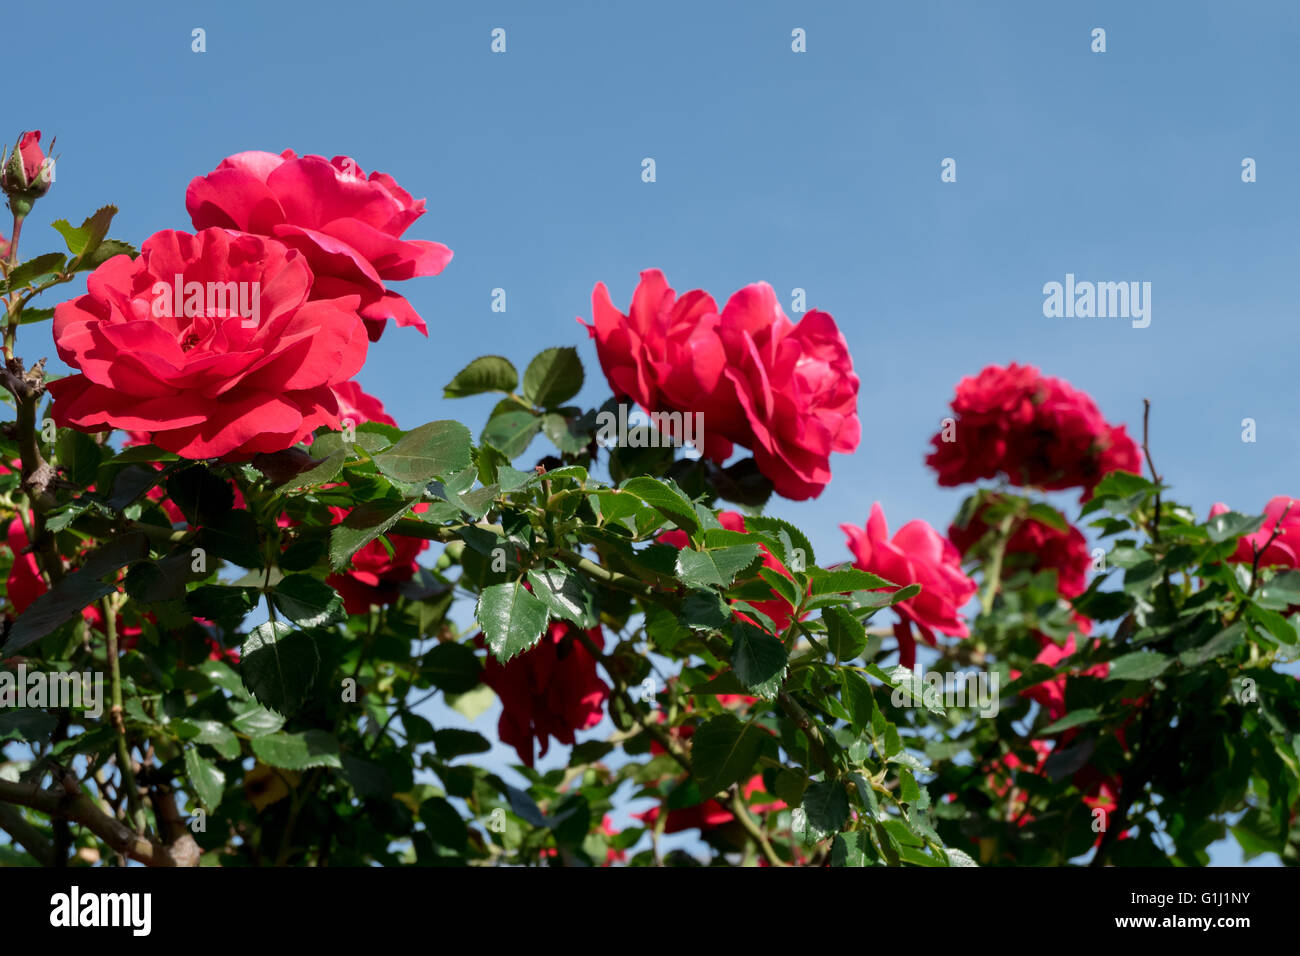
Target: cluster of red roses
[
  {"x": 1036, "y": 430},
  {"x": 235, "y": 339},
  {"x": 785, "y": 391}
]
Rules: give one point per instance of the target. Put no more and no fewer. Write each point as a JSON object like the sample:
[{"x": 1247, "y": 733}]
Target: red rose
[
  {"x": 360, "y": 406},
  {"x": 374, "y": 575},
  {"x": 1281, "y": 517},
  {"x": 1036, "y": 430},
  {"x": 550, "y": 690},
  {"x": 787, "y": 392},
  {"x": 347, "y": 225},
  {"x": 25, "y": 583},
  {"x": 666, "y": 356},
  {"x": 1039, "y": 547},
  {"x": 216, "y": 381},
  {"x": 1050, "y": 694},
  {"x": 917, "y": 555},
  {"x": 708, "y": 815},
  {"x": 797, "y": 387},
  {"x": 778, "y": 609}
]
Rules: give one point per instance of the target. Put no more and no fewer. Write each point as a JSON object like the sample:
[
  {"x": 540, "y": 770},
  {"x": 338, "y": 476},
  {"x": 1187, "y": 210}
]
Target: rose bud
[{"x": 28, "y": 172}]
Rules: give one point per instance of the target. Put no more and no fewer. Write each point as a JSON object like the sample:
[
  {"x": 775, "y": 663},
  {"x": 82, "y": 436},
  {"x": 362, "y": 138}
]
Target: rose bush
[{"x": 308, "y": 613}]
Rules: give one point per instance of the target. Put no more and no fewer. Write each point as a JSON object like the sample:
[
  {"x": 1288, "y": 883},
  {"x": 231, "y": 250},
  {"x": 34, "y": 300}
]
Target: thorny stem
[{"x": 118, "y": 720}]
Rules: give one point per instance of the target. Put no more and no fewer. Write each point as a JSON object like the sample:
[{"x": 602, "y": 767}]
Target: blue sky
[{"x": 817, "y": 170}]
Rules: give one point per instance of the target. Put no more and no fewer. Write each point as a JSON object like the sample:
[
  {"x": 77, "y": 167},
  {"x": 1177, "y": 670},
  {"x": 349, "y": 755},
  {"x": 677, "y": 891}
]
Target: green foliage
[{"x": 315, "y": 745}]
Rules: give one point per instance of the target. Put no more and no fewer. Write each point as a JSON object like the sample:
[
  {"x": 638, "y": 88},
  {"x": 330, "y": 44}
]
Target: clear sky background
[{"x": 818, "y": 170}]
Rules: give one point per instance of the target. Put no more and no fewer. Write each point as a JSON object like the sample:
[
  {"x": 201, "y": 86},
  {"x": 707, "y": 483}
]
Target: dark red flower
[
  {"x": 1035, "y": 430},
  {"x": 1037, "y": 546},
  {"x": 375, "y": 576},
  {"x": 550, "y": 690}
]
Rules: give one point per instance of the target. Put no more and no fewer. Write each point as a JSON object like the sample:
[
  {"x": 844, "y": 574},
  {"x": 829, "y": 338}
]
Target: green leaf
[
  {"x": 209, "y": 782},
  {"x": 511, "y": 432},
  {"x": 363, "y": 525},
  {"x": 1046, "y": 514},
  {"x": 453, "y": 668},
  {"x": 454, "y": 742},
  {"x": 488, "y": 373},
  {"x": 234, "y": 538},
  {"x": 79, "y": 455},
  {"x": 102, "y": 253},
  {"x": 723, "y": 752},
  {"x": 1230, "y": 525},
  {"x": 253, "y": 720},
  {"x": 48, "y": 264},
  {"x": 796, "y": 540},
  {"x": 85, "y": 239},
  {"x": 566, "y": 595},
  {"x": 827, "y": 806},
  {"x": 1281, "y": 592},
  {"x": 313, "y": 748},
  {"x": 1224, "y": 642},
  {"x": 217, "y": 736},
  {"x": 845, "y": 635},
  {"x": 226, "y": 606},
  {"x": 279, "y": 664},
  {"x": 781, "y": 585},
  {"x": 565, "y": 434},
  {"x": 1076, "y": 718},
  {"x": 202, "y": 497},
  {"x": 26, "y": 723},
  {"x": 844, "y": 580},
  {"x": 512, "y": 619},
  {"x": 435, "y": 450},
  {"x": 718, "y": 567},
  {"x": 852, "y": 849},
  {"x": 308, "y": 602},
  {"x": 667, "y": 499},
  {"x": 1273, "y": 622},
  {"x": 83, "y": 587},
  {"x": 758, "y": 658},
  {"x": 318, "y": 475},
  {"x": 859, "y": 699},
  {"x": 1140, "y": 665},
  {"x": 444, "y": 824},
  {"x": 553, "y": 377},
  {"x": 367, "y": 779}
]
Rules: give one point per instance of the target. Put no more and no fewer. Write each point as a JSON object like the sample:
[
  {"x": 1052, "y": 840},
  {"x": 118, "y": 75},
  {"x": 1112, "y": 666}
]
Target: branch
[{"x": 74, "y": 805}]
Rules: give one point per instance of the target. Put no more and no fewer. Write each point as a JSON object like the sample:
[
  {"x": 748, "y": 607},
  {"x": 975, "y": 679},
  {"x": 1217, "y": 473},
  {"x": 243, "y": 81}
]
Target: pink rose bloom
[
  {"x": 917, "y": 554},
  {"x": 1281, "y": 513},
  {"x": 797, "y": 387},
  {"x": 347, "y": 225},
  {"x": 209, "y": 384},
  {"x": 360, "y": 406},
  {"x": 787, "y": 392},
  {"x": 665, "y": 355}
]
